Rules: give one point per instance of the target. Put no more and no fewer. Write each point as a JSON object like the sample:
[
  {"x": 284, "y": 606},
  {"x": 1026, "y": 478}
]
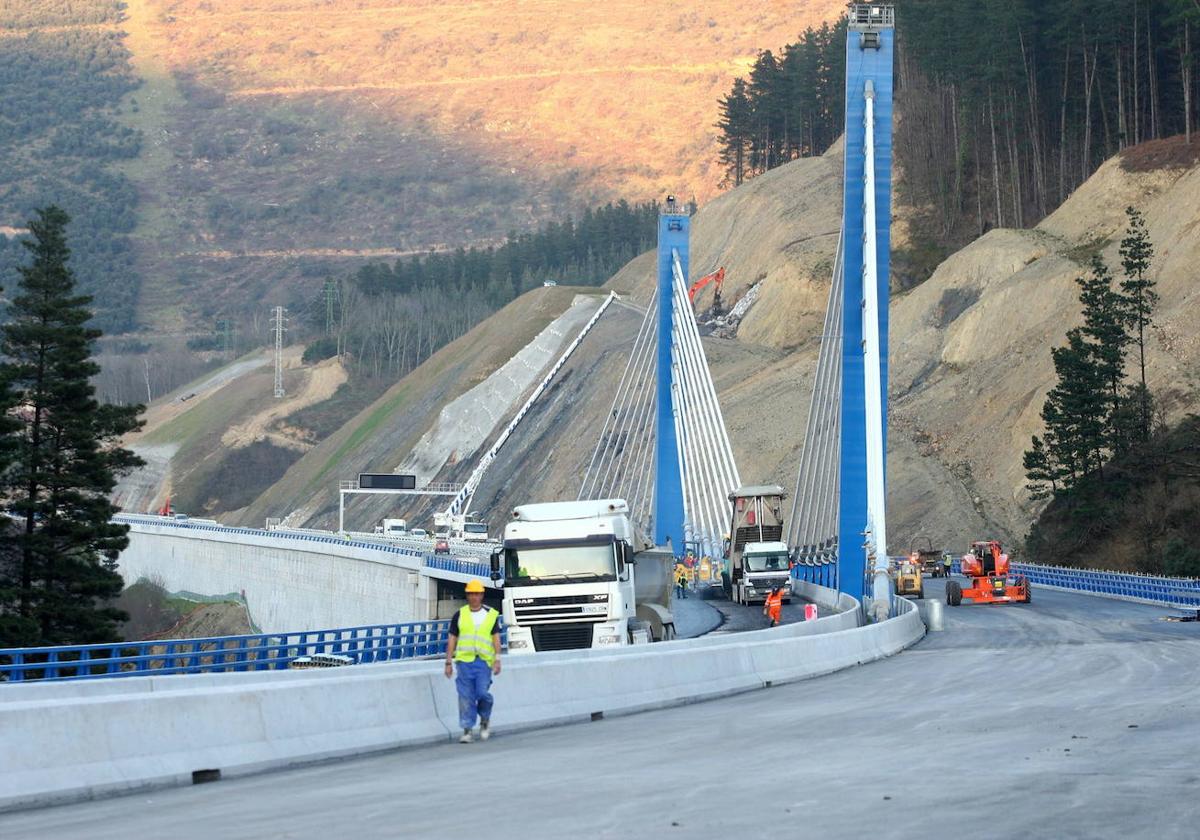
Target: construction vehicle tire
[{"x": 953, "y": 593}]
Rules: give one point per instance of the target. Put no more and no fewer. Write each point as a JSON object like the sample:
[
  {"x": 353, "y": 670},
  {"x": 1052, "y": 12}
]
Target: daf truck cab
[{"x": 573, "y": 578}]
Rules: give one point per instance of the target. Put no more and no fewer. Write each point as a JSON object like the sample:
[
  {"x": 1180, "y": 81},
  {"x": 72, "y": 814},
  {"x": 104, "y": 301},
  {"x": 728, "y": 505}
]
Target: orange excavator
[
  {"x": 717, "y": 277},
  {"x": 987, "y": 568}
]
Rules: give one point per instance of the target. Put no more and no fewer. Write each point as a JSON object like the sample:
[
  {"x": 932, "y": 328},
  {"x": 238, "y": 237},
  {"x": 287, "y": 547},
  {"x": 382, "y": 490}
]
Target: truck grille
[{"x": 562, "y": 636}]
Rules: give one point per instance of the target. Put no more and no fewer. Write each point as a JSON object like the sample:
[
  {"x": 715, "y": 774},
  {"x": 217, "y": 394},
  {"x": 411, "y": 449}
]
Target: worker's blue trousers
[{"x": 473, "y": 681}]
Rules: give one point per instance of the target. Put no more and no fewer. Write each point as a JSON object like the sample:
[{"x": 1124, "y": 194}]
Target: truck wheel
[
  {"x": 953, "y": 593},
  {"x": 1028, "y": 594}
]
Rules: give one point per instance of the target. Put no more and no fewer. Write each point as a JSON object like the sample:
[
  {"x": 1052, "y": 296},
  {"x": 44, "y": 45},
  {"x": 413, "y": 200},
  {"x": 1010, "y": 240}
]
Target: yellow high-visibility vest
[{"x": 475, "y": 643}]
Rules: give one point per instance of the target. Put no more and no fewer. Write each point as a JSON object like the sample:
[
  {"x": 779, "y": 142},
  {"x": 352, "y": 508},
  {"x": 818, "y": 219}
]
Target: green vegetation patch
[{"x": 59, "y": 141}]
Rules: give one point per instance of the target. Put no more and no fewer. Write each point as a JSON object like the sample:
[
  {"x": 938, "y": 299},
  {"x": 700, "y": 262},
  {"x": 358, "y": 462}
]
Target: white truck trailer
[{"x": 574, "y": 578}]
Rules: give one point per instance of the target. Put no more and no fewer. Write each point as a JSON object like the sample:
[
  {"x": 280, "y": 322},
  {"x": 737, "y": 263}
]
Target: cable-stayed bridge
[{"x": 1085, "y": 708}]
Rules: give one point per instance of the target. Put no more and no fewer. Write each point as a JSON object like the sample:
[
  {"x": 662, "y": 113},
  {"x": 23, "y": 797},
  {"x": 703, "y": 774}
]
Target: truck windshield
[
  {"x": 766, "y": 562},
  {"x": 475, "y": 528},
  {"x": 553, "y": 564}
]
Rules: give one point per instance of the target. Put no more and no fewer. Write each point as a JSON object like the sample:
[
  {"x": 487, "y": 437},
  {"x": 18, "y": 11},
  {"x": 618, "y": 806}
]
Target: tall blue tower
[
  {"x": 869, "y": 41},
  {"x": 673, "y": 229}
]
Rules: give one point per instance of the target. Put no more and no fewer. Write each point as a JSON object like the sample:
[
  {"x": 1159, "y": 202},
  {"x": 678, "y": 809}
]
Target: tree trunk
[
  {"x": 1122, "y": 130},
  {"x": 995, "y": 161},
  {"x": 1185, "y": 73},
  {"x": 1062, "y": 131},
  {"x": 1137, "y": 112},
  {"x": 1152, "y": 79},
  {"x": 1088, "y": 78},
  {"x": 1039, "y": 185}
]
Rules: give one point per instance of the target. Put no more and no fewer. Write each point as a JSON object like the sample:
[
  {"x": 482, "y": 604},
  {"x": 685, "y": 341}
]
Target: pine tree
[
  {"x": 66, "y": 458},
  {"x": 1140, "y": 298},
  {"x": 1075, "y": 411},
  {"x": 1104, "y": 319},
  {"x": 1040, "y": 470},
  {"x": 735, "y": 132}
]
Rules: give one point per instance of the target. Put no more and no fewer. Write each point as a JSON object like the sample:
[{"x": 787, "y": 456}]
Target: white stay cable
[{"x": 612, "y": 411}]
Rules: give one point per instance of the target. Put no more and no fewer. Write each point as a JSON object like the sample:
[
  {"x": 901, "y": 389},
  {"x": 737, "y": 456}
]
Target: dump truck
[
  {"x": 578, "y": 575},
  {"x": 986, "y": 566},
  {"x": 928, "y": 559},
  {"x": 756, "y": 558}
]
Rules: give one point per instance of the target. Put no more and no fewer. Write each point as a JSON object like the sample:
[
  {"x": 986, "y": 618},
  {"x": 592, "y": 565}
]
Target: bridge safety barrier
[
  {"x": 71, "y": 740},
  {"x": 259, "y": 652},
  {"x": 1175, "y": 592},
  {"x": 822, "y": 574}
]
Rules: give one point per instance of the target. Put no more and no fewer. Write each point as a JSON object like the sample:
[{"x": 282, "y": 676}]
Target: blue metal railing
[
  {"x": 261, "y": 652},
  {"x": 822, "y": 574},
  {"x": 1180, "y": 592},
  {"x": 459, "y": 565}
]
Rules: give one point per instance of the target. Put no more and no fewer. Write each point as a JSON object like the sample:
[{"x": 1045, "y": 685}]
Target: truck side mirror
[
  {"x": 495, "y": 563},
  {"x": 627, "y": 555}
]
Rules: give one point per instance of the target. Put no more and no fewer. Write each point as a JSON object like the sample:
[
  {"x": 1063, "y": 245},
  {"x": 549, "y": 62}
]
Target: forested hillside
[
  {"x": 791, "y": 105},
  {"x": 63, "y": 72},
  {"x": 388, "y": 318},
  {"x": 1003, "y": 107}
]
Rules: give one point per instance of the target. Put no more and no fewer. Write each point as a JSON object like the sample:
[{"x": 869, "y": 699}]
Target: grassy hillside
[
  {"x": 380, "y": 436},
  {"x": 290, "y": 138}
]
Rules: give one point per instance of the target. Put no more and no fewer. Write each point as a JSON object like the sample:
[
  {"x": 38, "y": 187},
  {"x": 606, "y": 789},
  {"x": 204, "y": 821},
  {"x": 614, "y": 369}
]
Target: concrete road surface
[{"x": 1073, "y": 717}]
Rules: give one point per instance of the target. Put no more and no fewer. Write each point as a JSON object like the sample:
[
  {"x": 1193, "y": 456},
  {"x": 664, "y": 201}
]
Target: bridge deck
[{"x": 1039, "y": 704}]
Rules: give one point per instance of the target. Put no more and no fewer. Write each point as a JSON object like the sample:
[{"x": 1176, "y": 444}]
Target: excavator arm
[{"x": 717, "y": 277}]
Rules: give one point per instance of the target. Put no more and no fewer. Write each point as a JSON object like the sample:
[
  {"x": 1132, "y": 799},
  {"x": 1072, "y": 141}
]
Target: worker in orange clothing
[{"x": 773, "y": 606}]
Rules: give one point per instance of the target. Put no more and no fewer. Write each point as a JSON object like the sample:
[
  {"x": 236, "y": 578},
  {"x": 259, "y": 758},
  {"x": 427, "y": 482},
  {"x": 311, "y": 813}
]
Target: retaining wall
[{"x": 64, "y": 741}]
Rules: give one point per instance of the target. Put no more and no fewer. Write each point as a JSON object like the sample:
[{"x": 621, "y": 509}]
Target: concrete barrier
[{"x": 68, "y": 741}]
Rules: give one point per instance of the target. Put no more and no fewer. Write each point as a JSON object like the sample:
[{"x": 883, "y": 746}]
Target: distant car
[
  {"x": 420, "y": 533},
  {"x": 442, "y": 546}
]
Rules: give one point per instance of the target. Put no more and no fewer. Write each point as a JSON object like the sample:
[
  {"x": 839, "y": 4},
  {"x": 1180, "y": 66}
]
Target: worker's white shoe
[
  {"x": 465, "y": 738},
  {"x": 484, "y": 732}
]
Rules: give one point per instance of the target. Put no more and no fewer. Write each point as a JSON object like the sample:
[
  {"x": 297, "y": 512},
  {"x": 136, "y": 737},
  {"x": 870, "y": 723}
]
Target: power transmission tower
[
  {"x": 277, "y": 322},
  {"x": 332, "y": 303},
  {"x": 225, "y": 331}
]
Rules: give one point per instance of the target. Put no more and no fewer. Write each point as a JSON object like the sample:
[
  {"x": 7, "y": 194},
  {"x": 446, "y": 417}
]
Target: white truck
[
  {"x": 756, "y": 559},
  {"x": 473, "y": 531},
  {"x": 392, "y": 528},
  {"x": 765, "y": 565},
  {"x": 574, "y": 578}
]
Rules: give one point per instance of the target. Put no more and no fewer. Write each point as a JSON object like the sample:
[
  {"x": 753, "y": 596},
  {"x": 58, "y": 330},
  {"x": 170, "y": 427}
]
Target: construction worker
[
  {"x": 474, "y": 646},
  {"x": 773, "y": 606},
  {"x": 681, "y": 581},
  {"x": 947, "y": 563}
]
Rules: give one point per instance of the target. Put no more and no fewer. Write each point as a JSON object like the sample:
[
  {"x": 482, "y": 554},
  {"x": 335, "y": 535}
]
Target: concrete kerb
[{"x": 83, "y": 740}]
